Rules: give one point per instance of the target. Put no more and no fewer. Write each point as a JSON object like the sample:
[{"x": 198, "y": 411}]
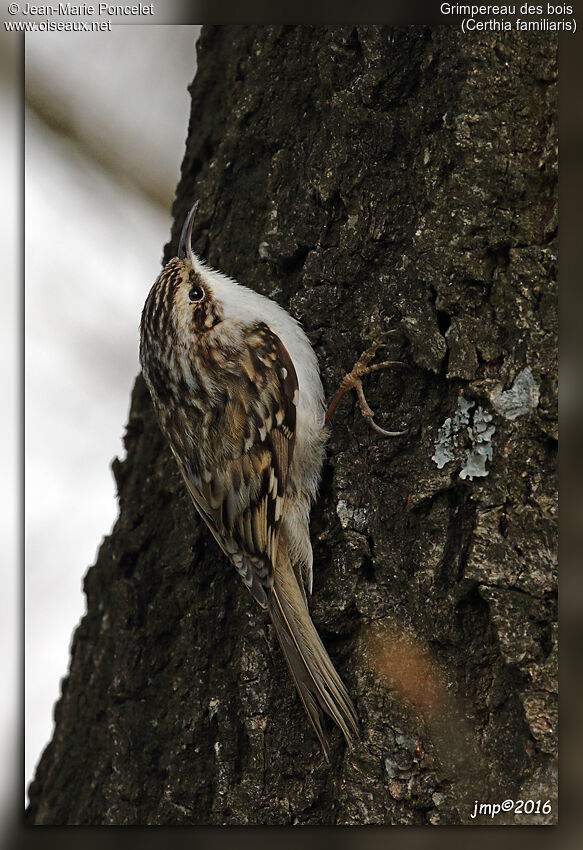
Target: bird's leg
[{"x": 353, "y": 380}]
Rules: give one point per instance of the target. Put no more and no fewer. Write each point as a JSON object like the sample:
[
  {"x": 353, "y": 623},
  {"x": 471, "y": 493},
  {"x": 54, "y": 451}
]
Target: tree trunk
[{"x": 368, "y": 179}]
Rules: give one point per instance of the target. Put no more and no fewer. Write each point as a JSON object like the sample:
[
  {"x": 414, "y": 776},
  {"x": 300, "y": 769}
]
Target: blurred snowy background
[{"x": 105, "y": 127}]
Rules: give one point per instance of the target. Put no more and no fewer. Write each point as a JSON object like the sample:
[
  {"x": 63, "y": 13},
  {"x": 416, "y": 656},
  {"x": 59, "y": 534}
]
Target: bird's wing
[{"x": 241, "y": 491}]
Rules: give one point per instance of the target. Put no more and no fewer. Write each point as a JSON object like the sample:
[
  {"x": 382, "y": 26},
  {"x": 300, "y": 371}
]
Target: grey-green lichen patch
[
  {"x": 520, "y": 399},
  {"x": 480, "y": 434},
  {"x": 448, "y": 436},
  {"x": 455, "y": 434}
]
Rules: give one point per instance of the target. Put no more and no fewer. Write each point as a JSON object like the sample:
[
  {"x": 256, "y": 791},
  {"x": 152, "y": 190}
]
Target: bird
[{"x": 236, "y": 390}]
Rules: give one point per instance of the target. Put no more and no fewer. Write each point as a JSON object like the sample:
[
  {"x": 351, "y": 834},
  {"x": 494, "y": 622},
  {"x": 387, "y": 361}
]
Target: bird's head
[{"x": 181, "y": 304}]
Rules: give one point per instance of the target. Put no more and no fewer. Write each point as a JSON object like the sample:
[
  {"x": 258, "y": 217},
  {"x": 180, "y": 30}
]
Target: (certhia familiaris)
[{"x": 237, "y": 392}]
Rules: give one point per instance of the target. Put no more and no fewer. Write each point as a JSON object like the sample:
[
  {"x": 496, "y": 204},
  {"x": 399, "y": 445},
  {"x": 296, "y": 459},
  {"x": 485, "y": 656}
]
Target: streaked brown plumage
[{"x": 237, "y": 392}]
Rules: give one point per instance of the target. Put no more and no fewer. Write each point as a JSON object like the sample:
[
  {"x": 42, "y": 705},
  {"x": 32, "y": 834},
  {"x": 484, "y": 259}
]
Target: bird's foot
[{"x": 353, "y": 380}]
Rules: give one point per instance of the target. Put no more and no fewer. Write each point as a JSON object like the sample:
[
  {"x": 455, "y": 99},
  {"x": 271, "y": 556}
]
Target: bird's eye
[{"x": 196, "y": 294}]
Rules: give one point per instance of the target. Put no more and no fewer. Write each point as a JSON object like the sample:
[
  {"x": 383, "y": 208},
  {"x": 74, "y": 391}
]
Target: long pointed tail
[{"x": 320, "y": 687}]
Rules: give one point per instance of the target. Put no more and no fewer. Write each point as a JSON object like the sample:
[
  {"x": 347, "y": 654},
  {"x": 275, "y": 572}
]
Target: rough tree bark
[{"x": 367, "y": 178}]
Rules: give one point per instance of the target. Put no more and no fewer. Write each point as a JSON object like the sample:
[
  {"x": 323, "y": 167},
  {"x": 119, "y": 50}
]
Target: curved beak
[{"x": 185, "y": 246}]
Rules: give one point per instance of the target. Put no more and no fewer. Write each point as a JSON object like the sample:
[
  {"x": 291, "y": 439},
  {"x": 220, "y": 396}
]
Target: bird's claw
[{"x": 353, "y": 380}]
